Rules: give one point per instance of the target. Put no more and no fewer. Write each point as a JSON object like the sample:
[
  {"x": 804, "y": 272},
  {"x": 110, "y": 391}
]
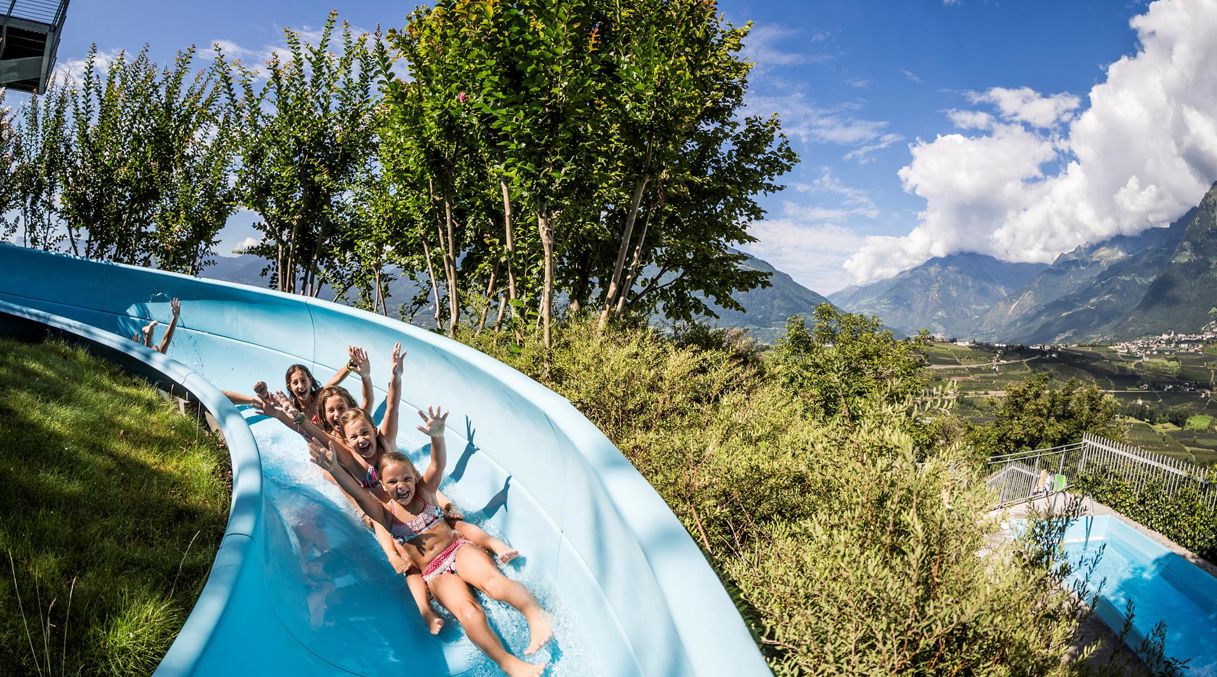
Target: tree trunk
[
  {"x": 545, "y": 229},
  {"x": 454, "y": 309},
  {"x": 509, "y": 239},
  {"x": 434, "y": 284},
  {"x": 614, "y": 285},
  {"x": 498, "y": 320},
  {"x": 489, "y": 296},
  {"x": 635, "y": 266}
]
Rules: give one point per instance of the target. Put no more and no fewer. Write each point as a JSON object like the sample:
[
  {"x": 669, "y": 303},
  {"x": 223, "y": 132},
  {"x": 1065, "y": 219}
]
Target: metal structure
[
  {"x": 29, "y": 38},
  {"x": 1025, "y": 475}
]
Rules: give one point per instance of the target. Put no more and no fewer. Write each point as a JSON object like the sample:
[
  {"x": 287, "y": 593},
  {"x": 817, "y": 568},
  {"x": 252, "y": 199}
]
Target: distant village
[{"x": 1167, "y": 344}]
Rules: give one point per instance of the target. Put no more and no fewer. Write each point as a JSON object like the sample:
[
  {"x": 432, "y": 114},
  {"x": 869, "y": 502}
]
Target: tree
[
  {"x": 9, "y": 159},
  {"x": 41, "y": 155},
  {"x": 136, "y": 160},
  {"x": 612, "y": 127},
  {"x": 1034, "y": 416},
  {"x": 845, "y": 358},
  {"x": 307, "y": 137}
]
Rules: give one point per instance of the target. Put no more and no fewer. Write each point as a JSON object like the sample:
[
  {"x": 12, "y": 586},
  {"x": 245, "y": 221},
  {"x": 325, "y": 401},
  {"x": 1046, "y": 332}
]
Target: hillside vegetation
[
  {"x": 842, "y": 510},
  {"x": 113, "y": 507}
]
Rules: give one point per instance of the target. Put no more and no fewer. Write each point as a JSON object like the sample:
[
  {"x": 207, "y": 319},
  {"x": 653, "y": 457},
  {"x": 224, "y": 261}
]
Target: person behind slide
[
  {"x": 176, "y": 306},
  {"x": 450, "y": 564}
]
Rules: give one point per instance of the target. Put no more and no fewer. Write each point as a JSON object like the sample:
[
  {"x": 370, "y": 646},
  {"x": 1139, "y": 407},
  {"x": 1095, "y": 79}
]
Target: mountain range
[
  {"x": 765, "y": 310},
  {"x": 1160, "y": 280},
  {"x": 946, "y": 295}
]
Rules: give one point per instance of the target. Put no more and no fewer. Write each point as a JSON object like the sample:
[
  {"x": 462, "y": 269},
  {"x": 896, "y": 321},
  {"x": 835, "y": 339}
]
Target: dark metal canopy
[{"x": 29, "y": 36}]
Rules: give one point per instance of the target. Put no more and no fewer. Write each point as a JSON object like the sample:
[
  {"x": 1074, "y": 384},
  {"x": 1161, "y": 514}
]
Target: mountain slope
[
  {"x": 1164, "y": 279},
  {"x": 1183, "y": 296},
  {"x": 948, "y": 295}
]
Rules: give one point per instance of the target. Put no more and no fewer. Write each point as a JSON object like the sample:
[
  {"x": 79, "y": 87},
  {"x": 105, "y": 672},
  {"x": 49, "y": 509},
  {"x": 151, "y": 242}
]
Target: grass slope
[{"x": 105, "y": 487}]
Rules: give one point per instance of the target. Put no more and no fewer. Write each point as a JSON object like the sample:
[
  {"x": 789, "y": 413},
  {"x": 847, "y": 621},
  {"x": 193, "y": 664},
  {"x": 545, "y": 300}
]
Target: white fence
[{"x": 1024, "y": 475}]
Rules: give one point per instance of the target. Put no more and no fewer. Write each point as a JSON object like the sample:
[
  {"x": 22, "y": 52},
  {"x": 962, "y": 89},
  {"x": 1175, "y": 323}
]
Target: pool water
[
  {"x": 1163, "y": 585},
  {"x": 340, "y": 597}
]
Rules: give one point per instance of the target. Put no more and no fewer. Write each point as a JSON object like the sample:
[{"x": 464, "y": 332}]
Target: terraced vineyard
[{"x": 1167, "y": 398}]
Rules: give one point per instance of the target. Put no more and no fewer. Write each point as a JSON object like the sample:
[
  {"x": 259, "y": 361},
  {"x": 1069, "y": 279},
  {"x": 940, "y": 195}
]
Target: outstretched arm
[
  {"x": 280, "y": 407},
  {"x": 342, "y": 374},
  {"x": 359, "y": 358},
  {"x": 176, "y": 305},
  {"x": 434, "y": 422},
  {"x": 388, "y": 427},
  {"x": 327, "y": 459}
]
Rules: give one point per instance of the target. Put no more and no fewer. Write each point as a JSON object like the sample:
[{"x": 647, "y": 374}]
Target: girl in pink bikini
[{"x": 449, "y": 562}]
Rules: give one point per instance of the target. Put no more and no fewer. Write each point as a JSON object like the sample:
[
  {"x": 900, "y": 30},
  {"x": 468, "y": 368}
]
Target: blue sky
[{"x": 924, "y": 127}]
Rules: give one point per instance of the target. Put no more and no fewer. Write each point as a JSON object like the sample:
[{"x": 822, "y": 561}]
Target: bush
[{"x": 852, "y": 541}]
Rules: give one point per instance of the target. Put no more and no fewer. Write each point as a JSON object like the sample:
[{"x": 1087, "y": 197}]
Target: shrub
[{"x": 852, "y": 542}]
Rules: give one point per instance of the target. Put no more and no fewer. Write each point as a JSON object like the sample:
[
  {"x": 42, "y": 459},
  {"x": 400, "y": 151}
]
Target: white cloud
[
  {"x": 245, "y": 244},
  {"x": 863, "y": 153},
  {"x": 970, "y": 119},
  {"x": 74, "y": 69},
  {"x": 765, "y": 46},
  {"x": 1141, "y": 154},
  {"x": 811, "y": 241},
  {"x": 858, "y": 83},
  {"x": 1027, "y": 105},
  {"x": 910, "y": 75},
  {"x": 803, "y": 120},
  {"x": 811, "y": 253}
]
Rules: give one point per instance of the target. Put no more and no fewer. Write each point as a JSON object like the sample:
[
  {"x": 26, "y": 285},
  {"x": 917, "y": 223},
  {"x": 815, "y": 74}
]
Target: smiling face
[
  {"x": 332, "y": 408},
  {"x": 361, "y": 436},
  {"x": 300, "y": 383},
  {"x": 399, "y": 481}
]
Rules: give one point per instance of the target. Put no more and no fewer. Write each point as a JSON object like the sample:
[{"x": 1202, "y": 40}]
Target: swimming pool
[{"x": 1162, "y": 584}]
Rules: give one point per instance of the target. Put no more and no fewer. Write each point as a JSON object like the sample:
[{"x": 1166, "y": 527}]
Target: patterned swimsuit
[{"x": 404, "y": 532}]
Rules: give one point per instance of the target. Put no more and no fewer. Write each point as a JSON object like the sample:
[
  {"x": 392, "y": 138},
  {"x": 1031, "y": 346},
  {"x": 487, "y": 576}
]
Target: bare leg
[
  {"x": 478, "y": 536},
  {"x": 414, "y": 580},
  {"x": 454, "y": 594},
  {"x": 474, "y": 566}
]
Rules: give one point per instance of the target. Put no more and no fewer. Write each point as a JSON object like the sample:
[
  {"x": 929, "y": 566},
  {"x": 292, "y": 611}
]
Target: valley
[{"x": 1165, "y": 385}]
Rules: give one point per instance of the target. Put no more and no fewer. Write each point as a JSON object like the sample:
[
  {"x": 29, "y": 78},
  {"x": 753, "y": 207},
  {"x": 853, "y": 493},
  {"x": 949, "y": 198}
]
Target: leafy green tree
[
  {"x": 1034, "y": 415},
  {"x": 844, "y": 359},
  {"x": 693, "y": 165},
  {"x": 145, "y": 171},
  {"x": 8, "y": 167},
  {"x": 41, "y": 156},
  {"x": 307, "y": 135}
]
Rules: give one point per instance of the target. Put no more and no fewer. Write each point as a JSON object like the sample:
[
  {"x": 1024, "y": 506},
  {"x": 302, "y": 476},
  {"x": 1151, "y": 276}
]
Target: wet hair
[
  {"x": 287, "y": 380},
  {"x": 395, "y": 457},
  {"x": 325, "y": 394}
]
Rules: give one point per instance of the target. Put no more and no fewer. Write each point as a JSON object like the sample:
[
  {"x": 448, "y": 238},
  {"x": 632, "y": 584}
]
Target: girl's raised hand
[
  {"x": 325, "y": 457},
  {"x": 399, "y": 356},
  {"x": 359, "y": 358},
  {"x": 434, "y": 421},
  {"x": 176, "y": 305}
]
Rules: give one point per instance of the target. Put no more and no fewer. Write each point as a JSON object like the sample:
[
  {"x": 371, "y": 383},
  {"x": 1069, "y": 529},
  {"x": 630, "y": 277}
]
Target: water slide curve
[{"x": 298, "y": 585}]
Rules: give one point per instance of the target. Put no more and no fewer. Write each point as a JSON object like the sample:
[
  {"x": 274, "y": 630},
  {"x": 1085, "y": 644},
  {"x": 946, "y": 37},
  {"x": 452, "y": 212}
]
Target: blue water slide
[{"x": 299, "y": 586}]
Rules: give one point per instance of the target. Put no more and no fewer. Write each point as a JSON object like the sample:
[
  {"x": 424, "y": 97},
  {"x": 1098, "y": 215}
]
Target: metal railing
[{"x": 1025, "y": 475}]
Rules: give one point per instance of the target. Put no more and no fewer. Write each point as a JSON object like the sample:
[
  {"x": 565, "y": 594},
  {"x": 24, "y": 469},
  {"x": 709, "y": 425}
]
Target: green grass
[
  {"x": 113, "y": 506},
  {"x": 1199, "y": 422}
]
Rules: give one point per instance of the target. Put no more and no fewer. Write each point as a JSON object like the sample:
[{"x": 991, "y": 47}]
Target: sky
[{"x": 1019, "y": 129}]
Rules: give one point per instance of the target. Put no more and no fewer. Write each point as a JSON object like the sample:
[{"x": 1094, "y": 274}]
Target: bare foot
[
  {"x": 539, "y": 630},
  {"x": 515, "y": 667},
  {"x": 433, "y": 621},
  {"x": 506, "y": 554},
  {"x": 147, "y": 330}
]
